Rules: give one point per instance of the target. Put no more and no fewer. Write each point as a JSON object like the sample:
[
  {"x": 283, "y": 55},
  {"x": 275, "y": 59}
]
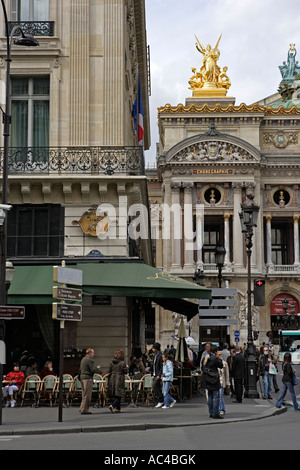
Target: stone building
[
  {"x": 73, "y": 148},
  {"x": 211, "y": 155}
]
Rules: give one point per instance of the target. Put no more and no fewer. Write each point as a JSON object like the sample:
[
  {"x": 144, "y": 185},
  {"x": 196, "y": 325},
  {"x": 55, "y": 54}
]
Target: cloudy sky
[{"x": 256, "y": 35}]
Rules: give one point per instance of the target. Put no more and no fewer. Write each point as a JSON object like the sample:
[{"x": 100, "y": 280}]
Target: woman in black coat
[
  {"x": 287, "y": 381},
  {"x": 116, "y": 380},
  {"x": 211, "y": 381}
]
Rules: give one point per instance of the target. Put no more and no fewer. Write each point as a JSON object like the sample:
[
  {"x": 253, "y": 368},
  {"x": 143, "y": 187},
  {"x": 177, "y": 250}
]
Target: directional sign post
[
  {"x": 218, "y": 310},
  {"x": 8, "y": 312},
  {"x": 65, "y": 312}
]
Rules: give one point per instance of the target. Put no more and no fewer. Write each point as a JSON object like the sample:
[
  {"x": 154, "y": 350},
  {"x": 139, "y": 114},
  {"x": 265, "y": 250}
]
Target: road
[{"x": 275, "y": 433}]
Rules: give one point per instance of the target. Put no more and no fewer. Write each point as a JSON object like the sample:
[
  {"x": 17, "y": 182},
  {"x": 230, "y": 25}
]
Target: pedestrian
[
  {"x": 238, "y": 374},
  {"x": 86, "y": 373},
  {"x": 229, "y": 361},
  {"x": 211, "y": 381},
  {"x": 167, "y": 378},
  {"x": 14, "y": 381},
  {"x": 264, "y": 364},
  {"x": 116, "y": 380},
  {"x": 288, "y": 382},
  {"x": 157, "y": 371},
  {"x": 224, "y": 381}
]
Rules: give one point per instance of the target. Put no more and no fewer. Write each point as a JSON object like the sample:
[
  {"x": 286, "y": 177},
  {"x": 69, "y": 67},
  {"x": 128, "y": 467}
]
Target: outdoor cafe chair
[
  {"x": 97, "y": 388},
  {"x": 68, "y": 382},
  {"x": 104, "y": 389},
  {"x": 145, "y": 389},
  {"x": 77, "y": 390},
  {"x": 47, "y": 389},
  {"x": 31, "y": 389},
  {"x": 128, "y": 387}
]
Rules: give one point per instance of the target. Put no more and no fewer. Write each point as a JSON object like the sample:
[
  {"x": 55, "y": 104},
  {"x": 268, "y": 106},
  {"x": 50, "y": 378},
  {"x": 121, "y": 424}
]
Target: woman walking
[
  {"x": 116, "y": 380},
  {"x": 167, "y": 379},
  {"x": 288, "y": 383}
]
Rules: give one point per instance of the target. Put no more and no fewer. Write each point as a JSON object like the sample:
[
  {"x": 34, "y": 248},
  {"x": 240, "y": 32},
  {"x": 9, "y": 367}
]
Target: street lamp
[
  {"x": 248, "y": 219},
  {"x": 220, "y": 253},
  {"x": 285, "y": 304}
]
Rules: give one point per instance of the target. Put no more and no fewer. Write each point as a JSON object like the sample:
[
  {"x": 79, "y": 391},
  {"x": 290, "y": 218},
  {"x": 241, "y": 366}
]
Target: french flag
[{"x": 138, "y": 114}]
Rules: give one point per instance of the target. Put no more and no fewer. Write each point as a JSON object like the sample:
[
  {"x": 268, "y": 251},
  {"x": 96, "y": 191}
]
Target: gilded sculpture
[{"x": 210, "y": 80}]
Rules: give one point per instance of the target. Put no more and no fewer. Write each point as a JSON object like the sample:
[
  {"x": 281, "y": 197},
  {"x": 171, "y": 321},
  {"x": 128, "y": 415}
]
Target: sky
[{"x": 256, "y": 35}]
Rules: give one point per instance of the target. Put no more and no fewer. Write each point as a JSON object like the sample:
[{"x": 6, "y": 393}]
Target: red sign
[{"x": 276, "y": 304}]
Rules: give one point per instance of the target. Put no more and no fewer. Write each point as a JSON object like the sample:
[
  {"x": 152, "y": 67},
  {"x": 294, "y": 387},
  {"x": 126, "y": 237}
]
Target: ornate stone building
[
  {"x": 74, "y": 147},
  {"x": 211, "y": 154}
]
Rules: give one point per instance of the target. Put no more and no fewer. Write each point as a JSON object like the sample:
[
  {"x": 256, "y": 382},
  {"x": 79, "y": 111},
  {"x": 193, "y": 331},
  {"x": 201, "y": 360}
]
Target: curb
[{"x": 140, "y": 426}]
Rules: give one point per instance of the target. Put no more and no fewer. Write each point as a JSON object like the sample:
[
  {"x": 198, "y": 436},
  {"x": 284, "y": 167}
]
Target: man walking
[
  {"x": 157, "y": 370},
  {"x": 238, "y": 374},
  {"x": 86, "y": 373}
]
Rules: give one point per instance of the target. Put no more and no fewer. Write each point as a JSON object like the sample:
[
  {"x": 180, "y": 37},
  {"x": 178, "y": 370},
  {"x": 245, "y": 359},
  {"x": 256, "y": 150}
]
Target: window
[
  {"x": 29, "y": 10},
  {"x": 30, "y": 112},
  {"x": 280, "y": 251},
  {"x": 212, "y": 234},
  {"x": 35, "y": 230}
]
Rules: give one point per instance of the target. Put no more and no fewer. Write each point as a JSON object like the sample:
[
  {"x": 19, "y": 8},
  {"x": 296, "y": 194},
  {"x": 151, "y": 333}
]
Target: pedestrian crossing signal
[{"x": 259, "y": 292}]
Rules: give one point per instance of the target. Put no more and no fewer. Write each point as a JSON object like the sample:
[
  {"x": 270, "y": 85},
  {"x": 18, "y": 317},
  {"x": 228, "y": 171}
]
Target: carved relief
[
  {"x": 280, "y": 139},
  {"x": 213, "y": 151}
]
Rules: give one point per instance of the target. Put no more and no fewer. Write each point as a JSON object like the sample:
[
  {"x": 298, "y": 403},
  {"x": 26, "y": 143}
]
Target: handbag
[
  {"x": 272, "y": 369},
  {"x": 294, "y": 379}
]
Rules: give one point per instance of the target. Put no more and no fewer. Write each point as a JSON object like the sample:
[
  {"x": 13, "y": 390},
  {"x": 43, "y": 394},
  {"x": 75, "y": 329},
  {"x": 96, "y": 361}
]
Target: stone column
[
  {"x": 227, "y": 238},
  {"x": 199, "y": 235},
  {"x": 188, "y": 227},
  {"x": 269, "y": 240},
  {"x": 296, "y": 239},
  {"x": 79, "y": 72},
  {"x": 176, "y": 227},
  {"x": 238, "y": 245}
]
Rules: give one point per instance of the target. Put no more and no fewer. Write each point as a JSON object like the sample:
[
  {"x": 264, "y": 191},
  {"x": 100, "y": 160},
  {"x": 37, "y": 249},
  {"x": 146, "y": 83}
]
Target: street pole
[{"x": 248, "y": 219}]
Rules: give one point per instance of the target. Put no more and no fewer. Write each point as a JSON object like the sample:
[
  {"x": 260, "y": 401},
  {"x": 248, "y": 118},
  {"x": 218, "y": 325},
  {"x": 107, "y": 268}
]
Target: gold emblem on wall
[
  {"x": 210, "y": 80},
  {"x": 92, "y": 223}
]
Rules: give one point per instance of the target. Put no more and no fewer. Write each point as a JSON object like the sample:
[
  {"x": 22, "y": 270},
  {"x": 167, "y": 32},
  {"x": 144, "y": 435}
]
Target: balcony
[
  {"x": 34, "y": 28},
  {"x": 75, "y": 160}
]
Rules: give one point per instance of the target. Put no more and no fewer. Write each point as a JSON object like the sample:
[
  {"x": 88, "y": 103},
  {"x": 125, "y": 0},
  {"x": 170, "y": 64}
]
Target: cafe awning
[{"x": 33, "y": 284}]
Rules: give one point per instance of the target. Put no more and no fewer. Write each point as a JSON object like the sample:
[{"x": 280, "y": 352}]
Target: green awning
[
  {"x": 33, "y": 285},
  {"x": 138, "y": 280}
]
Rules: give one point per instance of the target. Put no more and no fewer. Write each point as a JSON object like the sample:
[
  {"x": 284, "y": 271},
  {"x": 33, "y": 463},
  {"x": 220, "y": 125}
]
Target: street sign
[
  {"x": 8, "y": 312},
  {"x": 220, "y": 312},
  {"x": 223, "y": 292},
  {"x": 66, "y": 312},
  {"x": 64, "y": 275},
  {"x": 66, "y": 293},
  {"x": 217, "y": 321}
]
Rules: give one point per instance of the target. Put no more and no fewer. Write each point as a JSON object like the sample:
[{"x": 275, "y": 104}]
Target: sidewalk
[{"x": 194, "y": 412}]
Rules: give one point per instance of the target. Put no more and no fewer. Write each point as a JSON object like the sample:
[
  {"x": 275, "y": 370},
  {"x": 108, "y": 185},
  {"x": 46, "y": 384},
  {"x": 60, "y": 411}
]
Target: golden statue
[{"x": 209, "y": 80}]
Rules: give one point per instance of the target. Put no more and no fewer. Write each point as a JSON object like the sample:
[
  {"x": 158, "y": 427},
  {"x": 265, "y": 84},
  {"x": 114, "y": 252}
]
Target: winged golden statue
[{"x": 209, "y": 80}]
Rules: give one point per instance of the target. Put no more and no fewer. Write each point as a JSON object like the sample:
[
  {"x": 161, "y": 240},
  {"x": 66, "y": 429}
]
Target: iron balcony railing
[
  {"x": 87, "y": 160},
  {"x": 34, "y": 28}
]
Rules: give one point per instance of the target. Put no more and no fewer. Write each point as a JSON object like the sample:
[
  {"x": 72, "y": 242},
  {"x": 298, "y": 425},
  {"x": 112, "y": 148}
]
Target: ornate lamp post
[{"x": 248, "y": 219}]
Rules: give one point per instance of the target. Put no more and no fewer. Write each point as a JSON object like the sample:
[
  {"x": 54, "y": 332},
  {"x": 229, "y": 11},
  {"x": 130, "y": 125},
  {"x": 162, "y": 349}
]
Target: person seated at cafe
[
  {"x": 47, "y": 369},
  {"x": 32, "y": 368},
  {"x": 14, "y": 381}
]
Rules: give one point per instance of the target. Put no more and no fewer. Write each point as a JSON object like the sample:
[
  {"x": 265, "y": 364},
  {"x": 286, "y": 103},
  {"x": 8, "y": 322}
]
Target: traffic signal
[{"x": 259, "y": 292}]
